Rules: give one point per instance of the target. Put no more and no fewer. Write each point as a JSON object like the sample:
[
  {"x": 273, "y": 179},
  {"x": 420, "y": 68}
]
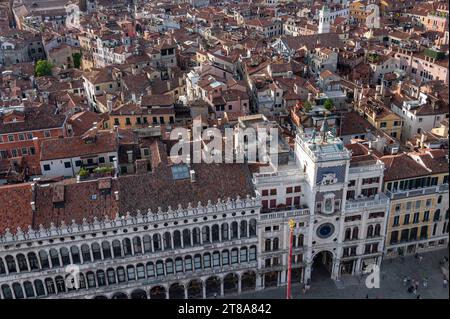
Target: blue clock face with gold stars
[{"x": 325, "y": 230}]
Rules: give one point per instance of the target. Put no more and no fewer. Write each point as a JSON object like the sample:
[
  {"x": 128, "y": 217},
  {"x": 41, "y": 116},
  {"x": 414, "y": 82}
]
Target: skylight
[{"x": 180, "y": 172}]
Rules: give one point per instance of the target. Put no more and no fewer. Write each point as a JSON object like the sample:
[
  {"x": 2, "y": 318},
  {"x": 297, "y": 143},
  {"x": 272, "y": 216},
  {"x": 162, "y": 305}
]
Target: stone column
[
  {"x": 28, "y": 262},
  {"x": 102, "y": 256},
  {"x": 307, "y": 272},
  {"x": 221, "y": 287},
  {"x": 203, "y": 290},
  {"x": 357, "y": 269},
  {"x": 17, "y": 265},
  {"x": 185, "y": 292},
  {"x": 239, "y": 284},
  {"x": 335, "y": 273}
]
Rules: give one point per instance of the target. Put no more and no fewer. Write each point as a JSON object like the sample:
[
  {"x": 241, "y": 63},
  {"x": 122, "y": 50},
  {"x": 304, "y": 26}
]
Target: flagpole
[{"x": 289, "y": 274}]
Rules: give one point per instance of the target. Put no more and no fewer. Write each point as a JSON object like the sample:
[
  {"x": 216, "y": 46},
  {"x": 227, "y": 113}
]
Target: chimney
[
  {"x": 399, "y": 87},
  {"x": 130, "y": 156},
  {"x": 116, "y": 167},
  {"x": 422, "y": 140},
  {"x": 192, "y": 174},
  {"x": 109, "y": 103}
]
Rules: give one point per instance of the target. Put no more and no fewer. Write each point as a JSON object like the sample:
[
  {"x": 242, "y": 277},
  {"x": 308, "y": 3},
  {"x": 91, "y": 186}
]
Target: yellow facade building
[
  {"x": 380, "y": 116},
  {"x": 417, "y": 185}
]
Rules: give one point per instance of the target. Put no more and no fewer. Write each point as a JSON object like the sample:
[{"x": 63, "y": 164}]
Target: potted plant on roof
[
  {"x": 307, "y": 107},
  {"x": 328, "y": 105},
  {"x": 103, "y": 171},
  {"x": 82, "y": 174}
]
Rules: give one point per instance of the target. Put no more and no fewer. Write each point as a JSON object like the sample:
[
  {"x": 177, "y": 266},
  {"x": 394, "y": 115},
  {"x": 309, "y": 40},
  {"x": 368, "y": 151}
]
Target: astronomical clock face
[{"x": 325, "y": 230}]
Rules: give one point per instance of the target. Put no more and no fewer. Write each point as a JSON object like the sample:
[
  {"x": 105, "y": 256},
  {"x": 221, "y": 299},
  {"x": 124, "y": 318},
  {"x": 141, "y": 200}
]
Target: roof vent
[{"x": 193, "y": 176}]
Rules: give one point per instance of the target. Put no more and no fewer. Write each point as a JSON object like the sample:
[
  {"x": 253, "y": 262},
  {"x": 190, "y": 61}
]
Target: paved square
[{"x": 391, "y": 282}]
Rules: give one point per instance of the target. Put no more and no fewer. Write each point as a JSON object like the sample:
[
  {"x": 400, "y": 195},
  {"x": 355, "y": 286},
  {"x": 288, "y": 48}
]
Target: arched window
[
  {"x": 159, "y": 268},
  {"x": 140, "y": 271},
  {"x": 224, "y": 231},
  {"x": 39, "y": 286},
  {"x": 50, "y": 285},
  {"x": 86, "y": 253},
  {"x": 234, "y": 256},
  {"x": 7, "y": 293},
  {"x": 348, "y": 234},
  {"x": 96, "y": 251},
  {"x": 198, "y": 261},
  {"x": 234, "y": 230},
  {"x": 29, "y": 292},
  {"x": 268, "y": 244},
  {"x": 60, "y": 285},
  {"x": 32, "y": 259},
  {"x": 126, "y": 242},
  {"x": 276, "y": 244},
  {"x": 370, "y": 231},
  {"x": 75, "y": 254},
  {"x": 106, "y": 248},
  {"x": 65, "y": 256},
  {"x": 252, "y": 253},
  {"x": 205, "y": 234},
  {"x": 121, "y": 274},
  {"x": 252, "y": 226},
  {"x": 11, "y": 264},
  {"x": 301, "y": 239},
  {"x": 18, "y": 292},
  {"x": 355, "y": 233},
  {"x": 131, "y": 273},
  {"x": 177, "y": 239},
  {"x": 437, "y": 215},
  {"x": 225, "y": 257},
  {"x": 157, "y": 242},
  {"x": 2, "y": 267},
  {"x": 90, "y": 279},
  {"x": 117, "y": 249},
  {"x": 169, "y": 266},
  {"x": 22, "y": 262},
  {"x": 178, "y": 264},
  {"x": 206, "y": 260},
  {"x": 215, "y": 233},
  {"x": 294, "y": 241},
  {"x": 111, "y": 276},
  {"x": 150, "y": 269},
  {"x": 196, "y": 236},
  {"x": 188, "y": 263},
  {"x": 167, "y": 240},
  {"x": 54, "y": 257},
  {"x": 82, "y": 281},
  {"x": 186, "y": 237},
  {"x": 216, "y": 259},
  {"x": 147, "y": 244},
  {"x": 43, "y": 257},
  {"x": 137, "y": 246},
  {"x": 243, "y": 255},
  {"x": 377, "y": 230},
  {"x": 101, "y": 278},
  {"x": 243, "y": 228}
]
